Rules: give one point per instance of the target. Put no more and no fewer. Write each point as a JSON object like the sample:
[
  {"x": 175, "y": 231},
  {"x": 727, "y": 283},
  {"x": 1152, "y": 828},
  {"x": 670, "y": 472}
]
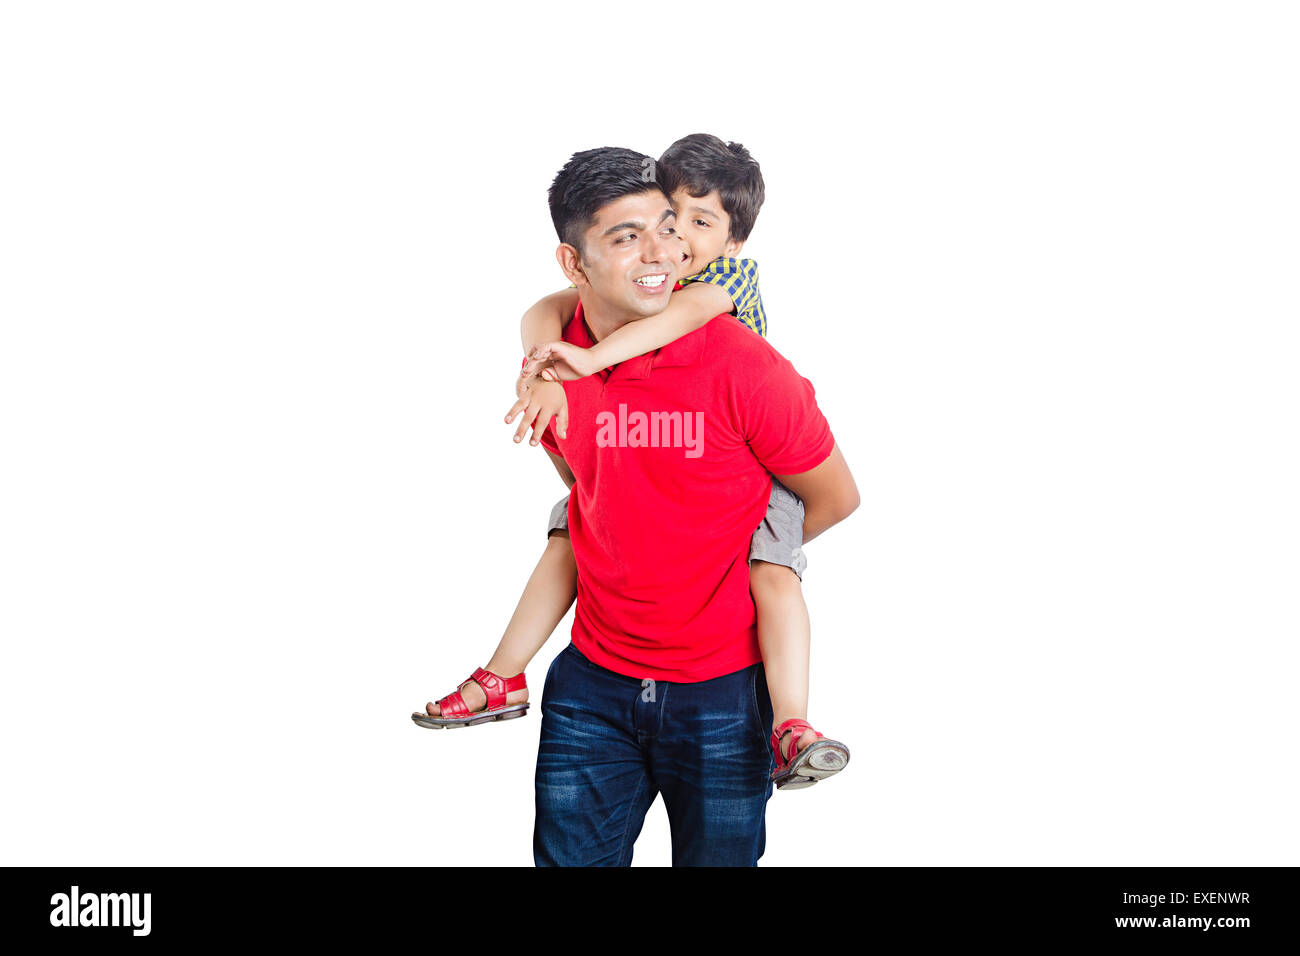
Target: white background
[{"x": 261, "y": 271}]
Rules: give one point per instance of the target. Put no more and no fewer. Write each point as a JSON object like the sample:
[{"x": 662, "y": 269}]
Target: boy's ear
[
  {"x": 571, "y": 264},
  {"x": 732, "y": 247}
]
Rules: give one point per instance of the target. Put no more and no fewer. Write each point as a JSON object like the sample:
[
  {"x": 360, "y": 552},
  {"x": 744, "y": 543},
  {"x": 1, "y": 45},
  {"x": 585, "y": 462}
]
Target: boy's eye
[{"x": 701, "y": 222}]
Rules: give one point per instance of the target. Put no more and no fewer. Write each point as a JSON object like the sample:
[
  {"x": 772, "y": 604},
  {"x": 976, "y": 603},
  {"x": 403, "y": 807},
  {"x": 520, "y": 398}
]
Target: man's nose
[{"x": 664, "y": 249}]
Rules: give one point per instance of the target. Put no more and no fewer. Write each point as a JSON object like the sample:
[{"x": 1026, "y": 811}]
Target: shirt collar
[{"x": 683, "y": 351}]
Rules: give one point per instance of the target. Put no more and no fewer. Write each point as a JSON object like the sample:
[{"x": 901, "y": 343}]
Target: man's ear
[{"x": 571, "y": 264}]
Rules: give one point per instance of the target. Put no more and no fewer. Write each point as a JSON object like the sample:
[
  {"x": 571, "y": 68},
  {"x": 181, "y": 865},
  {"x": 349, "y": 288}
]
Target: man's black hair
[
  {"x": 702, "y": 163},
  {"x": 594, "y": 178}
]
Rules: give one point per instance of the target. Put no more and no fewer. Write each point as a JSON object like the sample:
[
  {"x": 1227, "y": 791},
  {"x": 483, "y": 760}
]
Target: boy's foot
[
  {"x": 484, "y": 698},
  {"x": 801, "y": 761},
  {"x": 809, "y": 736},
  {"x": 476, "y": 699}
]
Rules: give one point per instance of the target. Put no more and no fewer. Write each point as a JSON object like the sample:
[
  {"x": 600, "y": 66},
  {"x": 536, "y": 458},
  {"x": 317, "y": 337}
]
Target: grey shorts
[
  {"x": 559, "y": 517},
  {"x": 778, "y": 540}
]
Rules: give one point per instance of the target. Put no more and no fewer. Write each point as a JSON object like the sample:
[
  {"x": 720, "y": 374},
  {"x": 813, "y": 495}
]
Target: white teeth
[{"x": 652, "y": 282}]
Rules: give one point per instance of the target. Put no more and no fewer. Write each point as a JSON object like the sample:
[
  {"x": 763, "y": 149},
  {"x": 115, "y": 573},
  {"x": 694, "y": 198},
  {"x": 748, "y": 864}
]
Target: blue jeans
[{"x": 611, "y": 743}]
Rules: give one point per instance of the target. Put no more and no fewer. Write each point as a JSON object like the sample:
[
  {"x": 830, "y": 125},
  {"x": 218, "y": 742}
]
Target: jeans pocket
[
  {"x": 760, "y": 711},
  {"x": 578, "y": 658},
  {"x": 556, "y": 663}
]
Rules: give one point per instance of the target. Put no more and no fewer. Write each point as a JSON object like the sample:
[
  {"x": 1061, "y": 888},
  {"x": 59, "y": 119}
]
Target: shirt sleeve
[
  {"x": 785, "y": 429},
  {"x": 739, "y": 279}
]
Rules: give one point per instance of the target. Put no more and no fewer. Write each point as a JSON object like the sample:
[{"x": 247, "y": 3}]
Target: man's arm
[
  {"x": 828, "y": 491},
  {"x": 540, "y": 401},
  {"x": 791, "y": 438},
  {"x": 566, "y": 473}
]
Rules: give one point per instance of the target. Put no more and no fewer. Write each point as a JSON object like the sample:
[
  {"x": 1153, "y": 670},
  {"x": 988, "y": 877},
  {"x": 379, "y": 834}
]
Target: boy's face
[
  {"x": 629, "y": 258},
  {"x": 704, "y": 228}
]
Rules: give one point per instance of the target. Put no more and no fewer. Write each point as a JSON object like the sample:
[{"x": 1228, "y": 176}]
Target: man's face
[
  {"x": 630, "y": 255},
  {"x": 703, "y": 226}
]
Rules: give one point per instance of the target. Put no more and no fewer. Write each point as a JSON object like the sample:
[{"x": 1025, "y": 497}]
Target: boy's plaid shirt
[{"x": 739, "y": 279}]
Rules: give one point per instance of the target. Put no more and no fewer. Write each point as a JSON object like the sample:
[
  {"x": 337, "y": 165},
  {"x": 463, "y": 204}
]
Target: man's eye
[
  {"x": 630, "y": 235},
  {"x": 670, "y": 231}
]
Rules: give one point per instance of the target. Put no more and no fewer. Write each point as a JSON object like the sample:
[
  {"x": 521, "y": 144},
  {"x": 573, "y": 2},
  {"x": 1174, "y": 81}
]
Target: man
[{"x": 670, "y": 458}]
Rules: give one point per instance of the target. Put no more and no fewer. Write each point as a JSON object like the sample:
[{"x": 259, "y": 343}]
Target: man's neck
[{"x": 601, "y": 320}]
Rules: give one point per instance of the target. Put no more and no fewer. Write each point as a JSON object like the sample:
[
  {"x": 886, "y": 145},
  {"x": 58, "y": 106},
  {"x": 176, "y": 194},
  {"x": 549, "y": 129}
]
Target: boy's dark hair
[
  {"x": 702, "y": 163},
  {"x": 594, "y": 178}
]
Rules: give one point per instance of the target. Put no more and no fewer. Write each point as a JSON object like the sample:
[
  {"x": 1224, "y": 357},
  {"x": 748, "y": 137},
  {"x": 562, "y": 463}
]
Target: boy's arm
[
  {"x": 688, "y": 309},
  {"x": 539, "y": 400},
  {"x": 544, "y": 321}
]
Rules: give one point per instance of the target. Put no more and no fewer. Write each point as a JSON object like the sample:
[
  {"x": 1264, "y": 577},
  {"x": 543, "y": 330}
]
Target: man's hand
[
  {"x": 539, "y": 400},
  {"x": 560, "y": 362}
]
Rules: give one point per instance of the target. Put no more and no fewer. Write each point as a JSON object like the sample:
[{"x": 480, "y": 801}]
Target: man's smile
[{"x": 652, "y": 283}]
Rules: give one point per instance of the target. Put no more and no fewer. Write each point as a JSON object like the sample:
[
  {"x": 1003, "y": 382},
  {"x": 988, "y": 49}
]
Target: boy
[{"x": 716, "y": 189}]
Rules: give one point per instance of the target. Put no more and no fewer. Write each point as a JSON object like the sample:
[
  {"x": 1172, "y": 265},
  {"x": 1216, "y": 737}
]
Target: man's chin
[{"x": 642, "y": 308}]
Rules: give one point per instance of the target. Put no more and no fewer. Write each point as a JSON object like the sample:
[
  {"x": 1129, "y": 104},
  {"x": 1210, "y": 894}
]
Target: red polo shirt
[{"x": 673, "y": 452}]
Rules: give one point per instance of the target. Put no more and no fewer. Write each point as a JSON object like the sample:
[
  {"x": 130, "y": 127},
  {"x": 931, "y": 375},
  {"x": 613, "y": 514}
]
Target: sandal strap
[
  {"x": 496, "y": 687},
  {"x": 797, "y": 727},
  {"x": 453, "y": 705}
]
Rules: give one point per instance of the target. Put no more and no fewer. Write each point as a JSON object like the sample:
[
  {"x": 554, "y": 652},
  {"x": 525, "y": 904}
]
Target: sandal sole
[
  {"x": 447, "y": 723},
  {"x": 814, "y": 763}
]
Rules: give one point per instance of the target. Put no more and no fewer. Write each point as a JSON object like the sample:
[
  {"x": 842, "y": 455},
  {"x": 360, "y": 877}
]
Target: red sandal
[
  {"x": 453, "y": 712},
  {"x": 819, "y": 760}
]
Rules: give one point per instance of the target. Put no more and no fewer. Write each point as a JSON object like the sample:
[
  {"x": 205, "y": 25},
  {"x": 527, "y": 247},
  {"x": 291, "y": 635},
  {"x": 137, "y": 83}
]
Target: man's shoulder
[
  {"x": 728, "y": 332},
  {"x": 575, "y": 330},
  {"x": 733, "y": 346}
]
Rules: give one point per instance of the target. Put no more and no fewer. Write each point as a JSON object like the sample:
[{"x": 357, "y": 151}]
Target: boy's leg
[
  {"x": 776, "y": 571},
  {"x": 593, "y": 787},
  {"x": 784, "y": 636},
  {"x": 550, "y": 592},
  {"x": 711, "y": 760}
]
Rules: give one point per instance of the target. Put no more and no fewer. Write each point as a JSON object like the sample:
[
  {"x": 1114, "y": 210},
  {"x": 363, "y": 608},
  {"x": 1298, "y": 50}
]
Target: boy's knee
[
  {"x": 773, "y": 582},
  {"x": 558, "y": 545}
]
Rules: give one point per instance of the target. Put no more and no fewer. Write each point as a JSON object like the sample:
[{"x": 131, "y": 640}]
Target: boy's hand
[
  {"x": 561, "y": 361},
  {"x": 539, "y": 400}
]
